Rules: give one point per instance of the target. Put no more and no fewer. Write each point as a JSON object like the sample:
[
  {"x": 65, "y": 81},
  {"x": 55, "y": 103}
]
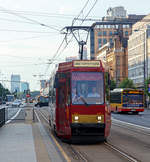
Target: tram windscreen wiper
[{"x": 83, "y": 100}]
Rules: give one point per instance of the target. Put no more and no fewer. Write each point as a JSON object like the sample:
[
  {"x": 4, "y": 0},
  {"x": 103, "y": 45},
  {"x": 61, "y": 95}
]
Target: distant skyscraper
[
  {"x": 15, "y": 83},
  {"x": 24, "y": 86}
]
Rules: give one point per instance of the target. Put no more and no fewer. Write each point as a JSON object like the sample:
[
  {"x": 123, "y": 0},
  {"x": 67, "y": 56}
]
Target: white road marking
[
  {"x": 14, "y": 116},
  {"x": 126, "y": 123}
]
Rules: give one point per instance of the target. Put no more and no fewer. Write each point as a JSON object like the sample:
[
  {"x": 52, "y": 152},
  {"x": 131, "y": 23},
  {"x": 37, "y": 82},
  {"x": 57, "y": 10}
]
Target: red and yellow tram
[{"x": 79, "y": 110}]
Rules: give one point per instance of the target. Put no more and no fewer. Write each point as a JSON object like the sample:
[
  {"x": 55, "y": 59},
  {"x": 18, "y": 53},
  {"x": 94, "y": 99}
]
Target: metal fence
[
  {"x": 19, "y": 113},
  {"x": 2, "y": 116}
]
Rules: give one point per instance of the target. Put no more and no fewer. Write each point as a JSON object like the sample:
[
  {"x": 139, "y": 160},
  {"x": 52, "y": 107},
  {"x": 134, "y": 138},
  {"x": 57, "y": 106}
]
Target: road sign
[{"x": 27, "y": 95}]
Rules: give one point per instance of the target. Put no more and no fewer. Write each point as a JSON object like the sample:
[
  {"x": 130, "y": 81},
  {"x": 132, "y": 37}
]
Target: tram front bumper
[{"x": 88, "y": 129}]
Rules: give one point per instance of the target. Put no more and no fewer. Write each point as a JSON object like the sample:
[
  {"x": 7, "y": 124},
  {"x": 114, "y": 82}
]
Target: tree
[
  {"x": 112, "y": 84},
  {"x": 126, "y": 83},
  {"x": 3, "y": 91}
]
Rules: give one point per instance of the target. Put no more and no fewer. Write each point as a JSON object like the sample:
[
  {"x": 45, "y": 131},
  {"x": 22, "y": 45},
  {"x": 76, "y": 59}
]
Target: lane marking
[
  {"x": 8, "y": 121},
  {"x": 57, "y": 144},
  {"x": 126, "y": 123}
]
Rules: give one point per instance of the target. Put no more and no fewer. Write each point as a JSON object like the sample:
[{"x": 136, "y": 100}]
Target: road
[{"x": 142, "y": 119}]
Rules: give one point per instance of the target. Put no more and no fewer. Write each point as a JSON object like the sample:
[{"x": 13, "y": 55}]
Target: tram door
[{"x": 61, "y": 106}]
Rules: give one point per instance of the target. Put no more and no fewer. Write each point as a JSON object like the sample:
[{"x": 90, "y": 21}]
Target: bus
[
  {"x": 10, "y": 98},
  {"x": 79, "y": 111},
  {"x": 127, "y": 100}
]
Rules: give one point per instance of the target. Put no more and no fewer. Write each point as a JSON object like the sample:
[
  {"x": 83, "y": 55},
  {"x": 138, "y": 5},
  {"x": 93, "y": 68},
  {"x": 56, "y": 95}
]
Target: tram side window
[
  {"x": 61, "y": 95},
  {"x": 115, "y": 98}
]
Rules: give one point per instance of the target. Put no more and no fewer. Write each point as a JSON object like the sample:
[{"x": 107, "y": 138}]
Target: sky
[{"x": 30, "y": 33}]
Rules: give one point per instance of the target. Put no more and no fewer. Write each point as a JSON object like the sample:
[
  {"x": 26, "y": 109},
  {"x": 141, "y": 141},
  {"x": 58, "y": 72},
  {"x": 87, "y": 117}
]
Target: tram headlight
[
  {"x": 99, "y": 118},
  {"x": 76, "y": 118}
]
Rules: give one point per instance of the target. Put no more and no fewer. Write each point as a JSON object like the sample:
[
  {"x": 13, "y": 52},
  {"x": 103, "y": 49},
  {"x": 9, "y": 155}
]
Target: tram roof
[{"x": 76, "y": 64}]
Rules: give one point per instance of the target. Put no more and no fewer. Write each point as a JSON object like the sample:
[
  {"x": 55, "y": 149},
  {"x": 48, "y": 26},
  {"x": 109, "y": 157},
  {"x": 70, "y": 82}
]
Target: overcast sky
[{"x": 26, "y": 46}]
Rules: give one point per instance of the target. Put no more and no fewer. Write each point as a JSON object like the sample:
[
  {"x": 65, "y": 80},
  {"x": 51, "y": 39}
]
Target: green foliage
[
  {"x": 3, "y": 91},
  {"x": 126, "y": 83},
  {"x": 112, "y": 84},
  {"x": 146, "y": 86}
]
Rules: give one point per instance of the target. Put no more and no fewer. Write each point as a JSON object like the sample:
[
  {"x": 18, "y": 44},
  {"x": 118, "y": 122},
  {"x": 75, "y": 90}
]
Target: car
[{"x": 16, "y": 103}]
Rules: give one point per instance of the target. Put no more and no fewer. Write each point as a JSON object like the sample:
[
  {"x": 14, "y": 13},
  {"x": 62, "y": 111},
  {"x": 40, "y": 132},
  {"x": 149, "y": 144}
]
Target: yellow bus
[{"x": 127, "y": 100}]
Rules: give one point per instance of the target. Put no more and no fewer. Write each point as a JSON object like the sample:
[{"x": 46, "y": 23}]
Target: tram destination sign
[{"x": 86, "y": 64}]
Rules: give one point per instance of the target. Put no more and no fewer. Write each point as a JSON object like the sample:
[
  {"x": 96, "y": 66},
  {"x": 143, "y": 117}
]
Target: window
[
  {"x": 111, "y": 40},
  {"x": 87, "y": 88},
  {"x": 110, "y": 33},
  {"x": 99, "y": 33},
  {"x": 99, "y": 42},
  {"x": 104, "y": 41},
  {"x": 115, "y": 33},
  {"x": 126, "y": 33},
  {"x": 104, "y": 33},
  {"x": 148, "y": 33},
  {"x": 115, "y": 97}
]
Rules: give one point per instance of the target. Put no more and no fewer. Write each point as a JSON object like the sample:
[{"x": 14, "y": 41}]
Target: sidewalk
[
  {"x": 27, "y": 142},
  {"x": 17, "y": 144}
]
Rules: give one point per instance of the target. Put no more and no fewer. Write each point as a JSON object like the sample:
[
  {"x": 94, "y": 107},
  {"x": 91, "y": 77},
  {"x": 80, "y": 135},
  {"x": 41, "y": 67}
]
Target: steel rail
[{"x": 122, "y": 153}]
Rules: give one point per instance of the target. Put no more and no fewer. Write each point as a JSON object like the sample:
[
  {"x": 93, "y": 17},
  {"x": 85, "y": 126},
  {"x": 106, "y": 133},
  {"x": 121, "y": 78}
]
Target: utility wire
[
  {"x": 31, "y": 20},
  {"x": 65, "y": 38},
  {"x": 27, "y": 38},
  {"x": 8, "y": 30}
]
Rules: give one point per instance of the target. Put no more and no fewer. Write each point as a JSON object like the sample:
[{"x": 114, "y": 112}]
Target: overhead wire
[
  {"x": 8, "y": 30},
  {"x": 29, "y": 19},
  {"x": 65, "y": 38}
]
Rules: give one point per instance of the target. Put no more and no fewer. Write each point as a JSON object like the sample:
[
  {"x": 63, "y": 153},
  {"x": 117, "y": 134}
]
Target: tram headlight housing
[
  {"x": 99, "y": 118},
  {"x": 76, "y": 118}
]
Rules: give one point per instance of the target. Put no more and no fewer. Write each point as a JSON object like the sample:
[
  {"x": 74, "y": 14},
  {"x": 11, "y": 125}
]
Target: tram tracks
[
  {"x": 76, "y": 154},
  {"x": 79, "y": 155}
]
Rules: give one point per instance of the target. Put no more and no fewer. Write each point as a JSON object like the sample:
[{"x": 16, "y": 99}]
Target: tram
[
  {"x": 127, "y": 100},
  {"x": 78, "y": 102}
]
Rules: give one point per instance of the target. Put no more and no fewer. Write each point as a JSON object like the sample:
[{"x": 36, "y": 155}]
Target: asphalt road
[{"x": 142, "y": 119}]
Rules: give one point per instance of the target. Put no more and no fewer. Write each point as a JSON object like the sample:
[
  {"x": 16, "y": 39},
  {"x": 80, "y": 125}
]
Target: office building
[
  {"x": 15, "y": 83},
  {"x": 24, "y": 86},
  {"x": 139, "y": 52}
]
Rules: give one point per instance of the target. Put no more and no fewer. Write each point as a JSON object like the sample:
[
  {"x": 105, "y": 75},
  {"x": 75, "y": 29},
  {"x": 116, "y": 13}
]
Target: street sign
[{"x": 27, "y": 95}]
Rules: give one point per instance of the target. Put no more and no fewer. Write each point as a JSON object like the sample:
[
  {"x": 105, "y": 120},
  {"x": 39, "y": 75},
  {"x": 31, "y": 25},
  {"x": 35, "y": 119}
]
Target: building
[
  {"x": 117, "y": 60},
  {"x": 139, "y": 52},
  {"x": 15, "y": 83},
  {"x": 104, "y": 32},
  {"x": 116, "y": 12},
  {"x": 70, "y": 58},
  {"x": 117, "y": 22},
  {"x": 102, "y": 52},
  {"x": 24, "y": 86}
]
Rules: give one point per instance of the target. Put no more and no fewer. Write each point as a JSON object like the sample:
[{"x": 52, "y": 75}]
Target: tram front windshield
[{"x": 87, "y": 88}]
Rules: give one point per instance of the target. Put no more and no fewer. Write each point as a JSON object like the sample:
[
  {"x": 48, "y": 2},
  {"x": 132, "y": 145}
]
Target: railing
[{"x": 2, "y": 116}]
